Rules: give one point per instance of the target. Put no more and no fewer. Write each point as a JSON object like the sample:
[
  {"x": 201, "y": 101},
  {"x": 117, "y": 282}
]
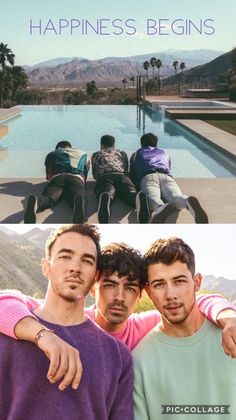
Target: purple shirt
[
  {"x": 105, "y": 391},
  {"x": 148, "y": 160}
]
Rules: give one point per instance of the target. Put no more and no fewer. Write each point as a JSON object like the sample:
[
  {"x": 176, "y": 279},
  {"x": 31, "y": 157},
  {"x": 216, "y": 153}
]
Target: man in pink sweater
[{"x": 116, "y": 293}]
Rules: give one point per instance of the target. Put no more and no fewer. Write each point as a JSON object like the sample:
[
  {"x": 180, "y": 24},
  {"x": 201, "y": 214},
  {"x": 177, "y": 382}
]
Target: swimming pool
[
  {"x": 36, "y": 131},
  {"x": 190, "y": 104}
]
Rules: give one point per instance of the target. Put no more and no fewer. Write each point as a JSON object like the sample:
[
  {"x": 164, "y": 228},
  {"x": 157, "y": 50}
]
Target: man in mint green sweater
[{"x": 180, "y": 368}]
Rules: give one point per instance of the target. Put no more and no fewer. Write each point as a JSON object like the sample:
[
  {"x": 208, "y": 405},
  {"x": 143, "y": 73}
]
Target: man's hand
[
  {"x": 64, "y": 361},
  {"x": 227, "y": 320}
]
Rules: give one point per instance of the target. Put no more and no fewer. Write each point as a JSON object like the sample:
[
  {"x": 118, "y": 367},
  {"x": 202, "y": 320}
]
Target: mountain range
[
  {"x": 109, "y": 71},
  {"x": 20, "y": 268},
  {"x": 220, "y": 285}
]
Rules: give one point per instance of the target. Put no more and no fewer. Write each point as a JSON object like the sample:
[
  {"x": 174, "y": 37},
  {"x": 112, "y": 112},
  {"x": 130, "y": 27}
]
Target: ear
[
  {"x": 45, "y": 264},
  {"x": 197, "y": 282},
  {"x": 97, "y": 275},
  {"x": 92, "y": 291},
  {"x": 96, "y": 278}
]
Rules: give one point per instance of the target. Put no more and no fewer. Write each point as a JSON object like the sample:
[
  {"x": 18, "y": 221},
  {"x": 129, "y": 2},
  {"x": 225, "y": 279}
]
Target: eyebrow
[
  {"x": 129, "y": 283},
  {"x": 87, "y": 255},
  {"x": 180, "y": 276},
  {"x": 65, "y": 250},
  {"x": 70, "y": 251}
]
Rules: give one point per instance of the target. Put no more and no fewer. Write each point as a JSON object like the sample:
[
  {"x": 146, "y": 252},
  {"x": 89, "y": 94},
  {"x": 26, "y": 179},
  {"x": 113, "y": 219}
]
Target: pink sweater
[{"x": 14, "y": 306}]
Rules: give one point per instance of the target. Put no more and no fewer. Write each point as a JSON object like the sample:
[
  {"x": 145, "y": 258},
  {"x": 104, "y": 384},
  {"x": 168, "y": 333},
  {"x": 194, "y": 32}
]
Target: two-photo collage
[{"x": 118, "y": 210}]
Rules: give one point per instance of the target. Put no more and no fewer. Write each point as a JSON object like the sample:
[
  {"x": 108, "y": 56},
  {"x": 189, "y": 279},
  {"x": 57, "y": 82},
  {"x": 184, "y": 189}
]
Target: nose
[
  {"x": 119, "y": 295},
  {"x": 170, "y": 292},
  {"x": 75, "y": 266}
]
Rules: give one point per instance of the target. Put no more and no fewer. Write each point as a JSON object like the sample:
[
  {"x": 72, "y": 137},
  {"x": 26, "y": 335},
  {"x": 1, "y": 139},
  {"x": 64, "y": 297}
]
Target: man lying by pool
[
  {"x": 150, "y": 170},
  {"x": 116, "y": 293},
  {"x": 66, "y": 173}
]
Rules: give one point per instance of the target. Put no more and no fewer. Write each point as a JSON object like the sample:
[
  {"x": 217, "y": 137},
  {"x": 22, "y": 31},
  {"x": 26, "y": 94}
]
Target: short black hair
[
  {"x": 123, "y": 259},
  {"x": 63, "y": 144},
  {"x": 107, "y": 140},
  {"x": 149, "y": 139},
  {"x": 89, "y": 230}
]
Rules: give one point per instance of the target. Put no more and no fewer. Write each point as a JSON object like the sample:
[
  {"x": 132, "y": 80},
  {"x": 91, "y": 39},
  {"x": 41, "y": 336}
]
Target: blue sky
[
  {"x": 213, "y": 245},
  {"x": 30, "y": 49}
]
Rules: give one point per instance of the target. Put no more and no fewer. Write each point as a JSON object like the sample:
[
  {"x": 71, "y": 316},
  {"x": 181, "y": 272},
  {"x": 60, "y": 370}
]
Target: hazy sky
[
  {"x": 213, "y": 245},
  {"x": 29, "y": 49}
]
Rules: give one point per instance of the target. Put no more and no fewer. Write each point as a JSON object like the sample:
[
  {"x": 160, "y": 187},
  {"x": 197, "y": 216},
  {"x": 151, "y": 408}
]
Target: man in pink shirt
[{"x": 116, "y": 293}]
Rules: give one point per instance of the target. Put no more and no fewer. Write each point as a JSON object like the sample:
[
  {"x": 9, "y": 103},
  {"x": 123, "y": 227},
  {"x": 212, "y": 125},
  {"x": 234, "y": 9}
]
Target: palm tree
[
  {"x": 91, "y": 87},
  {"x": 132, "y": 79},
  {"x": 6, "y": 83},
  {"x": 146, "y": 66},
  {"x": 158, "y": 65},
  {"x": 153, "y": 63},
  {"x": 175, "y": 65},
  {"x": 6, "y": 55},
  {"x": 182, "y": 66},
  {"x": 1, "y": 87},
  {"x": 19, "y": 78},
  {"x": 12, "y": 79},
  {"x": 124, "y": 81}
]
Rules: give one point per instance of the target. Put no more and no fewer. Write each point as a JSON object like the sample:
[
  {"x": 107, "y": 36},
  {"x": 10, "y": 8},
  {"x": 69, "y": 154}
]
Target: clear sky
[
  {"x": 15, "y": 18},
  {"x": 213, "y": 245}
]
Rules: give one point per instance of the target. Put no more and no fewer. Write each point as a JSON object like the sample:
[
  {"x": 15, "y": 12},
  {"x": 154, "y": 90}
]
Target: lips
[
  {"x": 73, "y": 284},
  {"x": 117, "y": 309},
  {"x": 173, "y": 307},
  {"x": 76, "y": 280}
]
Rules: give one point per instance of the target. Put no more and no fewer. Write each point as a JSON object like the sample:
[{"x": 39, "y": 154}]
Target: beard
[
  {"x": 71, "y": 292},
  {"x": 179, "y": 318}
]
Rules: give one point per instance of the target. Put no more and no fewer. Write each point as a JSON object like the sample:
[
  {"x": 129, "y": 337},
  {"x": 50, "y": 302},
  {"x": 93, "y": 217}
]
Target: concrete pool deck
[
  {"x": 222, "y": 140},
  {"x": 217, "y": 196},
  {"x": 7, "y": 113},
  {"x": 219, "y": 138}
]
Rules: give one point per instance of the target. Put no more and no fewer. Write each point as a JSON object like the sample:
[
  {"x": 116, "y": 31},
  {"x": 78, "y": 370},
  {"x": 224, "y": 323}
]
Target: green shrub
[{"x": 145, "y": 303}]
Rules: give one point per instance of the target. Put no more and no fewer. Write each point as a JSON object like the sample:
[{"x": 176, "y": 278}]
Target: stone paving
[{"x": 217, "y": 196}]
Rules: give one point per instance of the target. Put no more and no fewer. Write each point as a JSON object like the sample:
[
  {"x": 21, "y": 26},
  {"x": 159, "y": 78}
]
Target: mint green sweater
[{"x": 183, "y": 371}]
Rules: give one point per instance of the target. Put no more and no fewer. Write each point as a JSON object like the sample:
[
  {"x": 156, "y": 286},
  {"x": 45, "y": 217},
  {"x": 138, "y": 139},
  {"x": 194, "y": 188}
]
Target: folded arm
[{"x": 223, "y": 313}]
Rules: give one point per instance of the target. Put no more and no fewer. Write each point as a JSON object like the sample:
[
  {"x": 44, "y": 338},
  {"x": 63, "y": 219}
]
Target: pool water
[
  {"x": 193, "y": 105},
  {"x": 38, "y": 129}
]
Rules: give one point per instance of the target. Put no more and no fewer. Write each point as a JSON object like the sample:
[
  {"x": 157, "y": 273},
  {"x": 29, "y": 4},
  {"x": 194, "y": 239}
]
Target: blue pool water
[{"x": 36, "y": 131}]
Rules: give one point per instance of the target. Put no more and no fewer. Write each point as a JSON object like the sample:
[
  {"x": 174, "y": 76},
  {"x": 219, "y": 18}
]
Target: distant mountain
[
  {"x": 199, "y": 56},
  {"x": 37, "y": 236},
  {"x": 53, "y": 62},
  {"x": 220, "y": 65},
  {"x": 210, "y": 71},
  {"x": 221, "y": 285},
  {"x": 109, "y": 71},
  {"x": 20, "y": 265},
  {"x": 192, "y": 57}
]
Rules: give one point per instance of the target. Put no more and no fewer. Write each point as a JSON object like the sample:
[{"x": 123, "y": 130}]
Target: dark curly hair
[{"x": 123, "y": 259}]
